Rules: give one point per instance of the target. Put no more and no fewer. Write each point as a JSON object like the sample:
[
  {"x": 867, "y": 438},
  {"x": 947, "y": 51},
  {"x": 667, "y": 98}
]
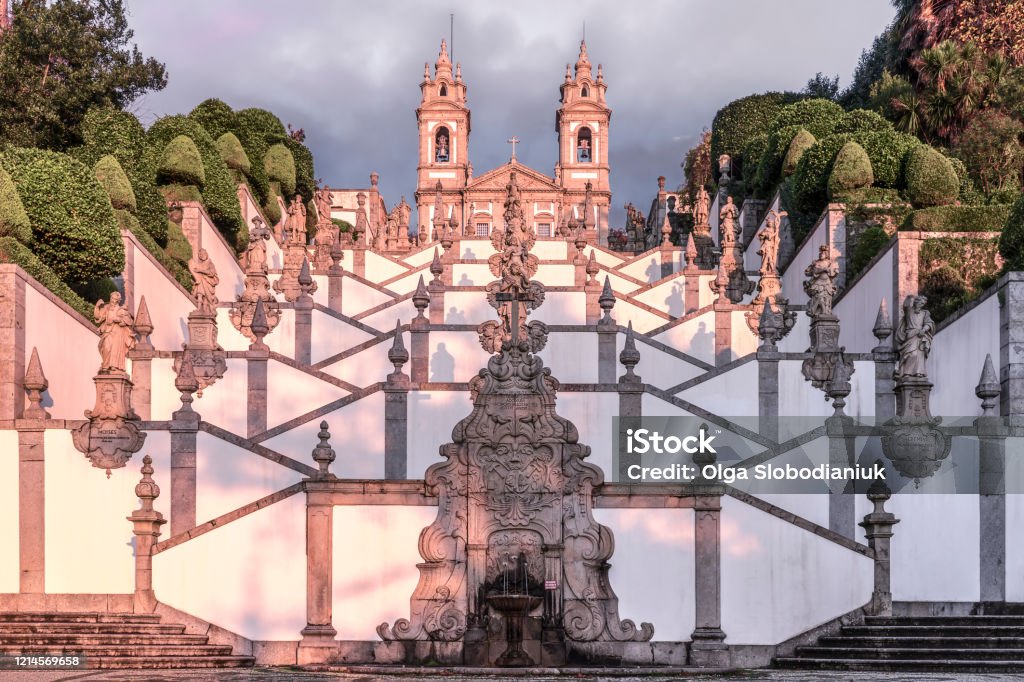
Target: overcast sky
[{"x": 349, "y": 72}]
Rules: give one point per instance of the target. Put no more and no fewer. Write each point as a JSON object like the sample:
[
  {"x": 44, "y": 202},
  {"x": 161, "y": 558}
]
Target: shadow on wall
[
  {"x": 455, "y": 316},
  {"x": 468, "y": 254},
  {"x": 653, "y": 271},
  {"x": 464, "y": 281},
  {"x": 442, "y": 365},
  {"x": 674, "y": 302},
  {"x": 702, "y": 345}
]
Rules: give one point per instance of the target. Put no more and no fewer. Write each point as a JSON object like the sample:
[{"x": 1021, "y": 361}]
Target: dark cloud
[{"x": 349, "y": 73}]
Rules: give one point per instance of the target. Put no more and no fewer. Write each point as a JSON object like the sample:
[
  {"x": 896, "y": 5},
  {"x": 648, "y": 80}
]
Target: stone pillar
[
  {"x": 723, "y": 333},
  {"x": 878, "y": 529},
  {"x": 142, "y": 363},
  {"x": 304, "y": 329},
  {"x": 667, "y": 254},
  {"x": 592, "y": 291},
  {"x": 607, "y": 333},
  {"x": 396, "y": 411},
  {"x": 631, "y": 393},
  {"x": 335, "y": 280},
  {"x": 184, "y": 428},
  {"x": 318, "y": 643},
  {"x": 359, "y": 258},
  {"x": 31, "y": 506},
  {"x": 1011, "y": 346},
  {"x": 885, "y": 364},
  {"x": 691, "y": 278},
  {"x": 708, "y": 648},
  {"x": 436, "y": 290},
  {"x": 992, "y": 488},
  {"x": 768, "y": 392},
  {"x": 256, "y": 409},
  {"x": 146, "y": 523},
  {"x": 420, "y": 333},
  {"x": 12, "y": 342},
  {"x": 841, "y": 453}
]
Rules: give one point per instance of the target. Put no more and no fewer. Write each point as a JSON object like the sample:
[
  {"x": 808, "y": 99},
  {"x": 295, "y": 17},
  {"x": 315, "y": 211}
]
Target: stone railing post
[
  {"x": 992, "y": 488},
  {"x": 359, "y": 258},
  {"x": 723, "y": 331},
  {"x": 32, "y": 481},
  {"x": 592, "y": 291},
  {"x": 146, "y": 523},
  {"x": 885, "y": 365},
  {"x": 841, "y": 453},
  {"x": 607, "y": 333},
  {"x": 877, "y": 527},
  {"x": 335, "y": 277},
  {"x": 258, "y": 356},
  {"x": 707, "y": 646},
  {"x": 667, "y": 257},
  {"x": 318, "y": 641},
  {"x": 631, "y": 393},
  {"x": 768, "y": 391},
  {"x": 12, "y": 339},
  {"x": 304, "y": 316},
  {"x": 436, "y": 289},
  {"x": 420, "y": 333},
  {"x": 691, "y": 278},
  {"x": 142, "y": 363},
  {"x": 396, "y": 411},
  {"x": 184, "y": 428}
]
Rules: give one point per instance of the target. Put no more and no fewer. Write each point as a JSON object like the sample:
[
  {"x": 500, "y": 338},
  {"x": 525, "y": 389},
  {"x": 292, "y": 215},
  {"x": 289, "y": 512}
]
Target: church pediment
[{"x": 527, "y": 179}]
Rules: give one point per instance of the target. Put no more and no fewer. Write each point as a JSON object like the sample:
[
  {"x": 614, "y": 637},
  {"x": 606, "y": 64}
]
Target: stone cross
[
  {"x": 513, "y": 297},
  {"x": 513, "y": 141}
]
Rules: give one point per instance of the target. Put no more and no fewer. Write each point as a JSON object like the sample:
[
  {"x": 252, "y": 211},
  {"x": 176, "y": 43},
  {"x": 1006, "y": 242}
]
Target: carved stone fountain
[{"x": 514, "y": 483}]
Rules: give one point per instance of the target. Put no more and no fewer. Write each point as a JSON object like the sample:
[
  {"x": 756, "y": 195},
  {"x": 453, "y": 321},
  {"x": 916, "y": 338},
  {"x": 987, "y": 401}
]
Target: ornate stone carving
[
  {"x": 110, "y": 436},
  {"x": 914, "y": 338},
  {"x": 295, "y": 226},
  {"x": 820, "y": 286},
  {"x": 288, "y": 284},
  {"x": 768, "y": 303},
  {"x": 701, "y": 209},
  {"x": 257, "y": 287},
  {"x": 206, "y": 357},
  {"x": 322, "y": 199},
  {"x": 731, "y": 281},
  {"x": 514, "y": 481},
  {"x": 327, "y": 235},
  {"x": 204, "y": 282}
]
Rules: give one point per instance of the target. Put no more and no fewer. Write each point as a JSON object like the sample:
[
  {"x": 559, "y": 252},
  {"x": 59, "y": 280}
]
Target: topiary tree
[
  {"x": 810, "y": 180},
  {"x": 744, "y": 118},
  {"x": 753, "y": 151},
  {"x": 819, "y": 117},
  {"x": 219, "y": 191},
  {"x": 280, "y": 167},
  {"x": 930, "y": 178},
  {"x": 769, "y": 170},
  {"x": 113, "y": 180},
  {"x": 215, "y": 116},
  {"x": 862, "y": 120},
  {"x": 801, "y": 142},
  {"x": 1011, "y": 239},
  {"x": 231, "y": 151},
  {"x": 13, "y": 219},
  {"x": 74, "y": 229},
  {"x": 254, "y": 128},
  {"x": 851, "y": 172},
  {"x": 887, "y": 150},
  {"x": 305, "y": 178},
  {"x": 180, "y": 164},
  {"x": 119, "y": 134}
]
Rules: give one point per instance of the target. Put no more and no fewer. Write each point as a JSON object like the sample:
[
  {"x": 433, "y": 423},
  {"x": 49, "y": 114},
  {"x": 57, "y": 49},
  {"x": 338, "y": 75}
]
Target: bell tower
[
  {"x": 582, "y": 126},
  {"x": 443, "y": 121}
]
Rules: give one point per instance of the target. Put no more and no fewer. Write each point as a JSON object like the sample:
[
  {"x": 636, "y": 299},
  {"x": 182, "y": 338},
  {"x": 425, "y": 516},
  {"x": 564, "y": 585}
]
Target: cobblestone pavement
[{"x": 284, "y": 674}]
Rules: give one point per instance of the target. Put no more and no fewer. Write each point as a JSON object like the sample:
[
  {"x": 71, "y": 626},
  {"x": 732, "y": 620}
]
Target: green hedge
[
  {"x": 231, "y": 151},
  {"x": 177, "y": 267},
  {"x": 119, "y": 134},
  {"x": 870, "y": 242},
  {"x": 305, "y": 175},
  {"x": 769, "y": 167},
  {"x": 178, "y": 247},
  {"x": 744, "y": 118},
  {"x": 254, "y": 127},
  {"x": 958, "y": 219},
  {"x": 219, "y": 192},
  {"x": 215, "y": 116},
  {"x": 753, "y": 151},
  {"x": 1011, "y": 241},
  {"x": 862, "y": 120},
  {"x": 280, "y": 166},
  {"x": 851, "y": 172},
  {"x": 13, "y": 251},
  {"x": 819, "y": 117},
  {"x": 14, "y": 221},
  {"x": 931, "y": 179},
  {"x": 801, "y": 142},
  {"x": 271, "y": 208},
  {"x": 73, "y": 225},
  {"x": 887, "y": 150},
  {"x": 181, "y": 164},
  {"x": 113, "y": 180}
]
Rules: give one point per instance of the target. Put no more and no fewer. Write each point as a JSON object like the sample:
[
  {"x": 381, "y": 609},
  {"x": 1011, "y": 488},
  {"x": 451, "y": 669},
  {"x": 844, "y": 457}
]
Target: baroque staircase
[
  {"x": 113, "y": 640},
  {"x": 970, "y": 643}
]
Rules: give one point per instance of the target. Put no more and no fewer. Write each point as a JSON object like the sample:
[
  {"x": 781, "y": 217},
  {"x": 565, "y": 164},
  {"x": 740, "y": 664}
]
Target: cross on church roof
[{"x": 513, "y": 141}]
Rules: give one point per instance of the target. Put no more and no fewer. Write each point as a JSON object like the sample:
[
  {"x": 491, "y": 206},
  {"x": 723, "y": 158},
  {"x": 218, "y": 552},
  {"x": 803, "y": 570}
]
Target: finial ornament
[
  {"x": 323, "y": 453},
  {"x": 35, "y": 384},
  {"x": 988, "y": 388},
  {"x": 629, "y": 357}
]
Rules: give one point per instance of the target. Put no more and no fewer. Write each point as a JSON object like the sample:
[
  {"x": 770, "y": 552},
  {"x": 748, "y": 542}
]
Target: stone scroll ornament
[
  {"x": 257, "y": 285},
  {"x": 514, "y": 482},
  {"x": 111, "y": 435},
  {"x": 912, "y": 440}
]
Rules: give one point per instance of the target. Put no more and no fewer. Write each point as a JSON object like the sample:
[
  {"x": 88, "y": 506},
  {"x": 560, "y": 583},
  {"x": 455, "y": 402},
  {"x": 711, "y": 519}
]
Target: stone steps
[
  {"x": 948, "y": 644},
  {"x": 139, "y": 641}
]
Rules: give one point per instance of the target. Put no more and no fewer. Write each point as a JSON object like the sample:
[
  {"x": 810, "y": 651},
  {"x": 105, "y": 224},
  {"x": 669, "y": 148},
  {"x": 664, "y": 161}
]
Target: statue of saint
[
  {"x": 296, "y": 226},
  {"x": 254, "y": 261},
  {"x": 116, "y": 334},
  {"x": 204, "y": 276},
  {"x": 323, "y": 205},
  {"x": 404, "y": 213},
  {"x": 821, "y": 286},
  {"x": 727, "y": 219},
  {"x": 914, "y": 338},
  {"x": 701, "y": 207},
  {"x": 442, "y": 148},
  {"x": 769, "y": 250}
]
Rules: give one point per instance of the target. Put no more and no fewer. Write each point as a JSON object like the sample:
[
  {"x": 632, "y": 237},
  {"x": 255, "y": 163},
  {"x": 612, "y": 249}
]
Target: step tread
[
  {"x": 126, "y": 650},
  {"x": 85, "y": 617},
  {"x": 168, "y": 662},
  {"x": 65, "y": 639},
  {"x": 87, "y": 628}
]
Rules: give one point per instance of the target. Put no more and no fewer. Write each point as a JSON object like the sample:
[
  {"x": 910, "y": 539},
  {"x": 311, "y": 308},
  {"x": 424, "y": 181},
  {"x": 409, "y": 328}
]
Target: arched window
[
  {"x": 585, "y": 92},
  {"x": 443, "y": 92},
  {"x": 584, "y": 146},
  {"x": 442, "y": 141}
]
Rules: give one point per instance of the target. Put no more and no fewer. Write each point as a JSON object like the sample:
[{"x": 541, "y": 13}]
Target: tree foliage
[
  {"x": 742, "y": 119},
  {"x": 931, "y": 180},
  {"x": 60, "y": 58},
  {"x": 697, "y": 166},
  {"x": 851, "y": 171},
  {"x": 822, "y": 86},
  {"x": 991, "y": 150}
]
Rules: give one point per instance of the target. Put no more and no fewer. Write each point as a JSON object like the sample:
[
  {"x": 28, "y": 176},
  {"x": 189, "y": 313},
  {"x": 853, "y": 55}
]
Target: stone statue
[
  {"x": 914, "y": 338},
  {"x": 116, "y": 335},
  {"x": 727, "y": 219},
  {"x": 323, "y": 205},
  {"x": 204, "y": 276},
  {"x": 701, "y": 207},
  {"x": 821, "y": 287},
  {"x": 296, "y": 225},
  {"x": 404, "y": 213},
  {"x": 254, "y": 261},
  {"x": 769, "y": 251}
]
